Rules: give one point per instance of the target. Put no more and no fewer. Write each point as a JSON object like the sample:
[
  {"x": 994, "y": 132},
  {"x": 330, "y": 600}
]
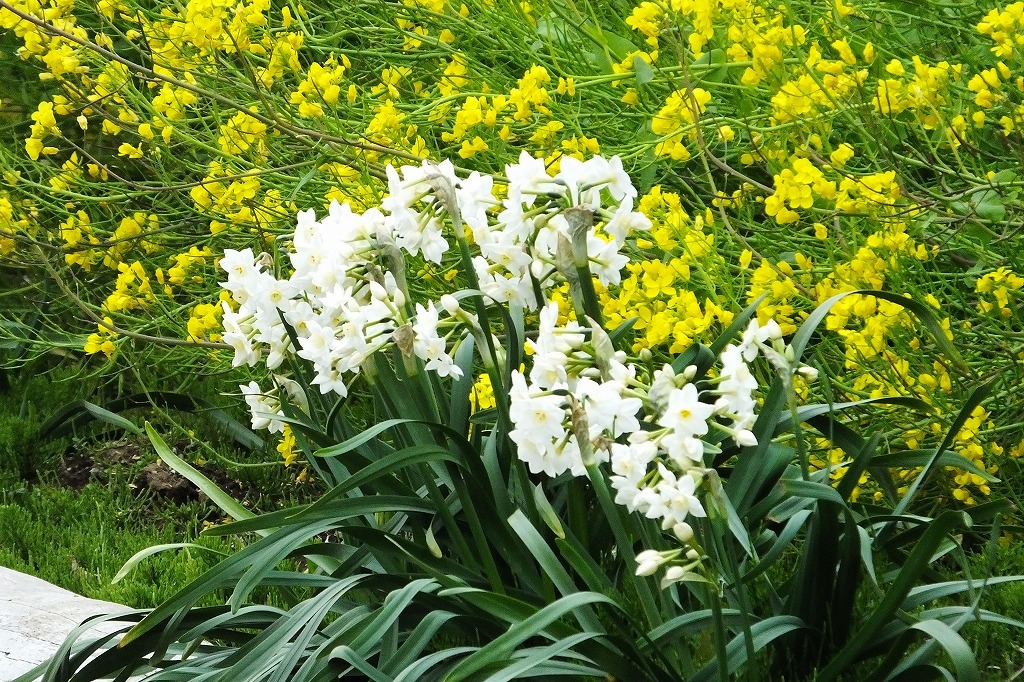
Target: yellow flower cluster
[
  {"x": 102, "y": 340},
  {"x": 286, "y": 446},
  {"x": 133, "y": 289},
  {"x": 797, "y": 187},
  {"x": 1004, "y": 27},
  {"x": 676, "y": 122},
  {"x": 924, "y": 93},
  {"x": 243, "y": 133},
  {"x": 658, "y": 290},
  {"x": 999, "y": 287},
  {"x": 482, "y": 396},
  {"x": 322, "y": 83},
  {"x": 820, "y": 88}
]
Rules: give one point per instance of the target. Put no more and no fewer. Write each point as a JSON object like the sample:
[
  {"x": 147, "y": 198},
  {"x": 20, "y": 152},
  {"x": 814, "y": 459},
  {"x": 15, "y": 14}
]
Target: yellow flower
[
  {"x": 286, "y": 446},
  {"x": 33, "y": 146},
  {"x": 132, "y": 152},
  {"x": 841, "y": 155},
  {"x": 472, "y": 148}
]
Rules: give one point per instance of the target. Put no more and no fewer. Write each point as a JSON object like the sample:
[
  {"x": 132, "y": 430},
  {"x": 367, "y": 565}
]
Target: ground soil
[{"x": 155, "y": 480}]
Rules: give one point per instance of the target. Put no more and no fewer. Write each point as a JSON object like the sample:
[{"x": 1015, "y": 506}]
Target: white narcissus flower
[
  {"x": 629, "y": 467},
  {"x": 685, "y": 414},
  {"x": 528, "y": 178},
  {"x": 735, "y": 389},
  {"x": 242, "y": 268},
  {"x": 264, "y": 407},
  {"x": 757, "y": 334},
  {"x": 607, "y": 410},
  {"x": 429, "y": 346},
  {"x": 676, "y": 497},
  {"x": 625, "y": 221},
  {"x": 620, "y": 185},
  {"x": 513, "y": 220},
  {"x": 606, "y": 262},
  {"x": 475, "y": 195},
  {"x": 508, "y": 253},
  {"x": 330, "y": 379},
  {"x": 238, "y": 334},
  {"x": 549, "y": 369},
  {"x": 552, "y": 338},
  {"x": 317, "y": 343},
  {"x": 536, "y": 418}
]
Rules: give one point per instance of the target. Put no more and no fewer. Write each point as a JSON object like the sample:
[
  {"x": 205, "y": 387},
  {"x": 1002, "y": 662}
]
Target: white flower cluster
[
  {"x": 345, "y": 297},
  {"x": 520, "y": 249},
  {"x": 650, "y": 432}
]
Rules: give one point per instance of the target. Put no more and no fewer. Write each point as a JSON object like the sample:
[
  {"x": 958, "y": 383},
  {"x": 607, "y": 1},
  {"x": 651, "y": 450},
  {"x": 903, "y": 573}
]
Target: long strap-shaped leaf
[
  {"x": 883, "y": 612},
  {"x": 762, "y": 633},
  {"x": 502, "y": 647}
]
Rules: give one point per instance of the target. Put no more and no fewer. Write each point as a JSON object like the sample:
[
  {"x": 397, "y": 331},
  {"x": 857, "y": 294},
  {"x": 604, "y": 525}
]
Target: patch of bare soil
[
  {"x": 161, "y": 481},
  {"x": 155, "y": 480}
]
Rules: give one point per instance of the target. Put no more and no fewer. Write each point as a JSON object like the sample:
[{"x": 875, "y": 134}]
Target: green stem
[{"x": 720, "y": 634}]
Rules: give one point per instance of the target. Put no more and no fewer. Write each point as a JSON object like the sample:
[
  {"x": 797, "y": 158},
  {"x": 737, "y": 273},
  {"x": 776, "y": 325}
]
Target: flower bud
[
  {"x": 648, "y": 562},
  {"x": 808, "y": 373},
  {"x": 745, "y": 438},
  {"x": 684, "y": 532},
  {"x": 674, "y": 573},
  {"x": 450, "y": 304},
  {"x": 378, "y": 292},
  {"x": 692, "y": 555},
  {"x": 689, "y": 373}
]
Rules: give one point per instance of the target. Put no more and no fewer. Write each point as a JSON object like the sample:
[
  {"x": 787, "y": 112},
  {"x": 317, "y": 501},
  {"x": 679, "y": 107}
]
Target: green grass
[
  {"x": 78, "y": 534},
  {"x": 1000, "y": 649},
  {"x": 80, "y": 539}
]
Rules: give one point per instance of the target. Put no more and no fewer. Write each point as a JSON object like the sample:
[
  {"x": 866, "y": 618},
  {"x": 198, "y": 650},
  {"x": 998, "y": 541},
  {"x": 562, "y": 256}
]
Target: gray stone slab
[{"x": 36, "y": 616}]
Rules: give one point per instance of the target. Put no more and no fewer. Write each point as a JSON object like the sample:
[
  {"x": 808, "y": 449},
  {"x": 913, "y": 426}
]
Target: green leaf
[
  {"x": 344, "y": 508},
  {"x": 352, "y": 657},
  {"x": 762, "y": 633},
  {"x": 547, "y": 512},
  {"x": 690, "y": 624},
  {"x": 139, "y": 556},
  {"x": 643, "y": 71},
  {"x": 813, "y": 490},
  {"x": 462, "y": 387},
  {"x": 528, "y": 659},
  {"x": 387, "y": 465},
  {"x": 911, "y": 459},
  {"x": 70, "y": 415},
  {"x": 884, "y": 611},
  {"x": 793, "y": 526},
  {"x": 619, "y": 333},
  {"x": 416, "y": 641},
  {"x": 209, "y": 488},
  {"x": 500, "y": 648},
  {"x": 989, "y": 205},
  {"x": 958, "y": 650},
  {"x": 553, "y": 568},
  {"x": 919, "y": 596},
  {"x": 807, "y": 412}
]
